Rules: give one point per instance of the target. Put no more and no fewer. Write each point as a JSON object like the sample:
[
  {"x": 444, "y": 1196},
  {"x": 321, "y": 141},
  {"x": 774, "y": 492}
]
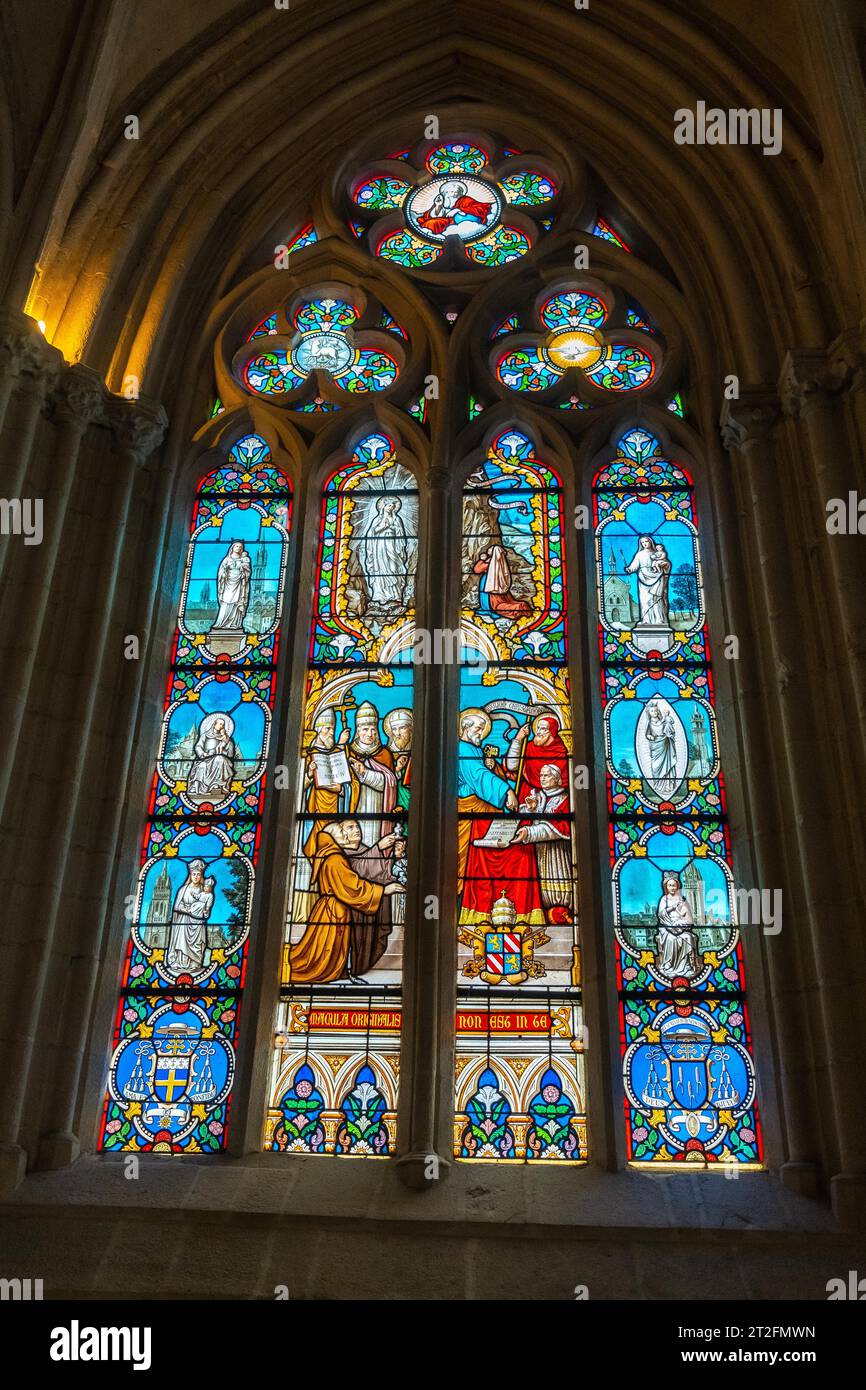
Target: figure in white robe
[
  {"x": 385, "y": 556},
  {"x": 233, "y": 588},
  {"x": 211, "y": 774},
  {"x": 676, "y": 943},
  {"x": 193, "y": 905},
  {"x": 374, "y": 782},
  {"x": 652, "y": 570},
  {"x": 661, "y": 735},
  {"x": 552, "y": 839}
]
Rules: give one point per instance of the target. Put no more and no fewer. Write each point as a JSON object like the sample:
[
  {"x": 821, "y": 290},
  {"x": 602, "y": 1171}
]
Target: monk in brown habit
[
  {"x": 322, "y": 953},
  {"x": 368, "y": 938}
]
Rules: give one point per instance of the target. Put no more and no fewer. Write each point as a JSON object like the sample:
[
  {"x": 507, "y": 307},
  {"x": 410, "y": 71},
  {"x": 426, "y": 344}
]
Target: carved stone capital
[
  {"x": 24, "y": 353},
  {"x": 849, "y": 354},
  {"x": 438, "y": 478},
  {"x": 748, "y": 419},
  {"x": 138, "y": 426},
  {"x": 809, "y": 378},
  {"x": 79, "y": 396}
]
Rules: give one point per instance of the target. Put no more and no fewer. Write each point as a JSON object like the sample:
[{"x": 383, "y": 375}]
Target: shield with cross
[{"x": 174, "y": 1044}]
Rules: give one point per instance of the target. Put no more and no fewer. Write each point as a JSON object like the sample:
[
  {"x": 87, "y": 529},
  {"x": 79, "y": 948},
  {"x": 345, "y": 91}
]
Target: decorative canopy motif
[
  {"x": 576, "y": 339},
  {"x": 326, "y": 345},
  {"x": 460, "y": 205}
]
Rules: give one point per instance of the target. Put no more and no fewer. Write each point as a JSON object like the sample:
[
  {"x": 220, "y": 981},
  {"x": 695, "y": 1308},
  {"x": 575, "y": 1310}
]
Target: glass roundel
[
  {"x": 327, "y": 352},
  {"x": 448, "y": 206}
]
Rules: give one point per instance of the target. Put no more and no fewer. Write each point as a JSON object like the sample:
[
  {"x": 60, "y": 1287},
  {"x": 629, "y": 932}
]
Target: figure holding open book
[{"x": 489, "y": 860}]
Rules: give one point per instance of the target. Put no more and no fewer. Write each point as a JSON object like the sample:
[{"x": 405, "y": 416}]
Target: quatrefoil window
[
  {"x": 576, "y": 337},
  {"x": 460, "y": 204}
]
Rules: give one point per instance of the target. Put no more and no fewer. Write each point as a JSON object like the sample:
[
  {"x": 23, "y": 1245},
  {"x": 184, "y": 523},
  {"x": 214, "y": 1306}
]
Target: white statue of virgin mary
[
  {"x": 652, "y": 567},
  {"x": 233, "y": 588},
  {"x": 385, "y": 555},
  {"x": 193, "y": 905},
  {"x": 677, "y": 945}
]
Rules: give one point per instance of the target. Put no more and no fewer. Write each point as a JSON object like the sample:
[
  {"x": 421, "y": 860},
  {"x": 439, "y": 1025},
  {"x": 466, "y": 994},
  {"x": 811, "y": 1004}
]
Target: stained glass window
[
  {"x": 604, "y": 230},
  {"x": 333, "y": 1087},
  {"x": 688, "y": 1073},
  {"x": 453, "y": 204},
  {"x": 171, "y": 1073},
  {"x": 577, "y": 340},
  {"x": 321, "y": 351},
  {"x": 520, "y": 1083}
]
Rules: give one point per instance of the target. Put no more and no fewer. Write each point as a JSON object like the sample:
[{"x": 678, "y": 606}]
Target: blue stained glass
[
  {"x": 363, "y": 1130},
  {"x": 173, "y": 1061},
  {"x": 551, "y": 1133},
  {"x": 487, "y": 1133},
  {"x": 687, "y": 1071},
  {"x": 300, "y": 1130}
]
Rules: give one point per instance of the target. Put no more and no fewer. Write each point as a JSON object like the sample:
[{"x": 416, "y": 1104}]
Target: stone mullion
[
  {"x": 429, "y": 992},
  {"x": 41, "y": 907}
]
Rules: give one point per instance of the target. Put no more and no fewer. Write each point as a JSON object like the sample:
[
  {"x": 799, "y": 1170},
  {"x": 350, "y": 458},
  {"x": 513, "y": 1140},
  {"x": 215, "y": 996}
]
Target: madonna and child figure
[
  {"x": 677, "y": 945},
  {"x": 233, "y": 588},
  {"x": 192, "y": 907},
  {"x": 652, "y": 567}
]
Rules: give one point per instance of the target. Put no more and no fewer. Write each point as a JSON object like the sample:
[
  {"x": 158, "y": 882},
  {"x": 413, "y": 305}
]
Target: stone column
[
  {"x": 24, "y": 354},
  {"x": 78, "y": 400},
  {"x": 809, "y": 386},
  {"x": 41, "y": 891},
  {"x": 137, "y": 436},
  {"x": 746, "y": 425},
  {"x": 420, "y": 1164}
]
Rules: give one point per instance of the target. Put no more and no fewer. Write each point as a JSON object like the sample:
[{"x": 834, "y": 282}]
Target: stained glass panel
[
  {"x": 688, "y": 1075},
  {"x": 336, "y": 1049},
  {"x": 520, "y": 1074},
  {"x": 171, "y": 1072}
]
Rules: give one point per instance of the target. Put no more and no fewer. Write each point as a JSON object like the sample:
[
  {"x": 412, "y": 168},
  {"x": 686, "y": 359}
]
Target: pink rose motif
[
  {"x": 639, "y": 1134},
  {"x": 112, "y": 1127},
  {"x": 735, "y": 1020},
  {"x": 747, "y": 1135},
  {"x": 630, "y": 973}
]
